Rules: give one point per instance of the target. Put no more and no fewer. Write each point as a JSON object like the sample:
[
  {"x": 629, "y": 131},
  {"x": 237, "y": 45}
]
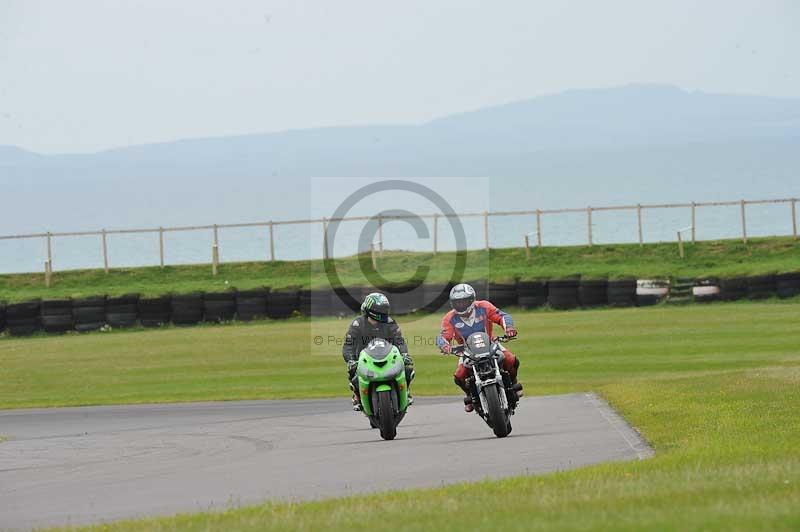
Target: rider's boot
[
  {"x": 356, "y": 399},
  {"x": 468, "y": 404}
]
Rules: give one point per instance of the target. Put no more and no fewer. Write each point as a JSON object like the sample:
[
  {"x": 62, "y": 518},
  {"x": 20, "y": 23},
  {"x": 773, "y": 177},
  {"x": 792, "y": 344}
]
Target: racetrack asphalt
[{"x": 71, "y": 466}]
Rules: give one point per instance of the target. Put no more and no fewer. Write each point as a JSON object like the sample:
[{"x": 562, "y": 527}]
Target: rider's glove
[
  {"x": 511, "y": 332},
  {"x": 446, "y": 349},
  {"x": 407, "y": 360},
  {"x": 351, "y": 365}
]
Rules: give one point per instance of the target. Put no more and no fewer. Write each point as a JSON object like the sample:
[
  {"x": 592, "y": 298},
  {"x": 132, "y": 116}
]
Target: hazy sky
[{"x": 88, "y": 75}]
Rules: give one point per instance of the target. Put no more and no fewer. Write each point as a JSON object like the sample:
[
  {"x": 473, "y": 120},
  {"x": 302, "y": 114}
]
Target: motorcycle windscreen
[
  {"x": 378, "y": 349},
  {"x": 479, "y": 344}
]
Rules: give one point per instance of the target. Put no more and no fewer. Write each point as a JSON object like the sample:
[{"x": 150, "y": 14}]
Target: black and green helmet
[{"x": 376, "y": 306}]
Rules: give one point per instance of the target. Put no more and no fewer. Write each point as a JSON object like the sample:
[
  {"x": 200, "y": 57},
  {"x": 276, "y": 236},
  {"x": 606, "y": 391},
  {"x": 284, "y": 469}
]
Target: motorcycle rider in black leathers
[{"x": 375, "y": 322}]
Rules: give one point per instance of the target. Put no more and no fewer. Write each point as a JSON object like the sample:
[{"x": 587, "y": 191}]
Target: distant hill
[{"x": 634, "y": 143}]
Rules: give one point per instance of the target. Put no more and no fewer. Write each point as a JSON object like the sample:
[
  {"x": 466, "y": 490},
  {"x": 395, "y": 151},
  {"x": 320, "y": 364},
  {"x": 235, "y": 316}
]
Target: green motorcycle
[{"x": 382, "y": 386}]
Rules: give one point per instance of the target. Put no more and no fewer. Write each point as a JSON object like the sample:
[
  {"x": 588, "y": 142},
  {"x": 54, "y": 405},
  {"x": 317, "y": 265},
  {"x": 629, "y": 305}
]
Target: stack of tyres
[
  {"x": 622, "y": 292},
  {"x": 122, "y": 311},
  {"x": 187, "y": 309},
  {"x": 436, "y": 297},
  {"x": 706, "y": 290},
  {"x": 787, "y": 285},
  {"x": 405, "y": 298},
  {"x": 155, "y": 311},
  {"x": 219, "y": 307},
  {"x": 531, "y": 294},
  {"x": 733, "y": 289},
  {"x": 593, "y": 292},
  {"x": 57, "y": 315},
  {"x": 346, "y": 301},
  {"x": 503, "y": 294},
  {"x": 761, "y": 287},
  {"x": 651, "y": 291},
  {"x": 23, "y": 319},
  {"x": 681, "y": 290},
  {"x": 251, "y": 304},
  {"x": 563, "y": 293},
  {"x": 89, "y": 313},
  {"x": 281, "y": 304},
  {"x": 481, "y": 288},
  {"x": 2, "y": 316},
  {"x": 315, "y": 302}
]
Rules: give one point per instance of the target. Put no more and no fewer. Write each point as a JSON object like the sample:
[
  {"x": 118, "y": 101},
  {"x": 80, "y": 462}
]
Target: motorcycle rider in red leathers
[{"x": 470, "y": 316}]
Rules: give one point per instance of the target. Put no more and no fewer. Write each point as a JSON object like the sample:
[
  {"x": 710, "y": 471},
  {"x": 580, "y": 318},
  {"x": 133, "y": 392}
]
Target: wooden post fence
[
  {"x": 215, "y": 253},
  {"x": 486, "y": 228},
  {"x": 161, "y": 245},
  {"x": 794, "y": 218},
  {"x": 380, "y": 234},
  {"x": 589, "y": 223},
  {"x": 271, "y": 241},
  {"x": 539, "y": 227},
  {"x": 744, "y": 224},
  {"x": 50, "y": 251},
  {"x": 639, "y": 219},
  {"x": 325, "y": 253},
  {"x": 694, "y": 208},
  {"x": 105, "y": 252},
  {"x": 435, "y": 233}
]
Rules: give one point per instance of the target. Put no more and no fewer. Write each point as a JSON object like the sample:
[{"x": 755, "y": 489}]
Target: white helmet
[{"x": 462, "y": 299}]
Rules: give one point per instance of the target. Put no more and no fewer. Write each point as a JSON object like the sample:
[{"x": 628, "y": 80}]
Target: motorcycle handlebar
[{"x": 459, "y": 349}]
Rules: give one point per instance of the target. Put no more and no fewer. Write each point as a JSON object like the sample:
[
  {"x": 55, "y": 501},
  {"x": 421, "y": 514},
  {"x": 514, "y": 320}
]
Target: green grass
[
  {"x": 721, "y": 258},
  {"x": 715, "y": 389}
]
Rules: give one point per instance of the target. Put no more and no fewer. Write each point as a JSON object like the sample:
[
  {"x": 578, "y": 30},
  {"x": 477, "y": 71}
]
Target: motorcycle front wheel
[
  {"x": 497, "y": 416},
  {"x": 386, "y": 415}
]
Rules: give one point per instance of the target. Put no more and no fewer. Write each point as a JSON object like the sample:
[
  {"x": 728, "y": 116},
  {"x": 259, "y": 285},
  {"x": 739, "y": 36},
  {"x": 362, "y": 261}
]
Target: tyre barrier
[
  {"x": 155, "y": 311},
  {"x": 705, "y": 290},
  {"x": 89, "y": 313},
  {"x": 502, "y": 294},
  {"x": 219, "y": 307},
  {"x": 282, "y": 304},
  {"x": 651, "y": 291},
  {"x": 593, "y": 292},
  {"x": 122, "y": 311},
  {"x": 315, "y": 303},
  {"x": 92, "y": 313},
  {"x": 733, "y": 289},
  {"x": 57, "y": 315},
  {"x": 251, "y": 304},
  {"x": 563, "y": 293},
  {"x": 681, "y": 290},
  {"x": 436, "y": 297},
  {"x": 531, "y": 294},
  {"x": 187, "y": 309},
  {"x": 787, "y": 285},
  {"x": 761, "y": 287},
  {"x": 481, "y": 288},
  {"x": 24, "y": 319},
  {"x": 622, "y": 292}
]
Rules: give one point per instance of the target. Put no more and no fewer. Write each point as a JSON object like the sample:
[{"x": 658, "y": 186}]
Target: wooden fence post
[
  {"x": 680, "y": 244},
  {"x": 435, "y": 233},
  {"x": 794, "y": 218},
  {"x": 486, "y": 228},
  {"x": 744, "y": 223},
  {"x": 639, "y": 219},
  {"x": 538, "y": 227},
  {"x": 589, "y": 223},
  {"x": 380, "y": 234},
  {"x": 105, "y": 252},
  {"x": 271, "y": 242},
  {"x": 325, "y": 252},
  {"x": 215, "y": 253},
  {"x": 48, "y": 272},
  {"x": 50, "y": 251},
  {"x": 693, "y": 221},
  {"x": 527, "y": 248},
  {"x": 161, "y": 245}
]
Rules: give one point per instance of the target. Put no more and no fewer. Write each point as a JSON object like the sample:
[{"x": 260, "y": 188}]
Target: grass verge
[
  {"x": 712, "y": 258},
  {"x": 715, "y": 389}
]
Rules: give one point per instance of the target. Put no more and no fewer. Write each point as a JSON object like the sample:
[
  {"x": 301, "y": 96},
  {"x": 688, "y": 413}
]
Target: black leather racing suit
[{"x": 362, "y": 331}]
